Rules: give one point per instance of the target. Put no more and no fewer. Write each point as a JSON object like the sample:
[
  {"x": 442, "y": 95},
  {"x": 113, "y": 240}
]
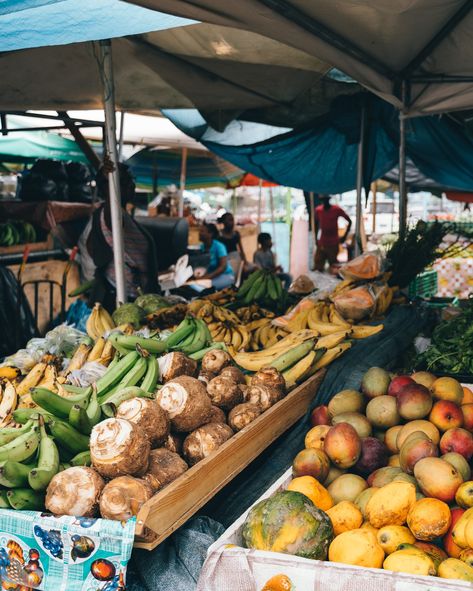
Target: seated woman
[{"x": 219, "y": 270}]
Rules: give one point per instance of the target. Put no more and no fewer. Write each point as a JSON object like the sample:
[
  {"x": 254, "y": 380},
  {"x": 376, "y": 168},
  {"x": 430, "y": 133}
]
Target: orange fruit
[
  {"x": 311, "y": 488},
  {"x": 467, "y": 396}
]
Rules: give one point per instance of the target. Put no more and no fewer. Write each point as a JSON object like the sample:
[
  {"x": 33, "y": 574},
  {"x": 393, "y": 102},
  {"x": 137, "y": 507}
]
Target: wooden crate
[
  {"x": 33, "y": 246},
  {"x": 167, "y": 510}
]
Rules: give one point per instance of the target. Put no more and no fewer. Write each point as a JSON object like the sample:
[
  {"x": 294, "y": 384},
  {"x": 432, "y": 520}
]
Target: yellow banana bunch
[
  {"x": 247, "y": 314},
  {"x": 80, "y": 356},
  {"x": 361, "y": 331},
  {"x": 99, "y": 322},
  {"x": 299, "y": 371},
  {"x": 97, "y": 349},
  {"x": 342, "y": 287},
  {"x": 384, "y": 300},
  {"x": 9, "y": 373},
  {"x": 331, "y": 354}
]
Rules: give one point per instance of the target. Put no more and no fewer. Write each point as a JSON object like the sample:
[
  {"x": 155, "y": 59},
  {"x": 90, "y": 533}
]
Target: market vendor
[
  {"x": 218, "y": 270},
  {"x": 328, "y": 241},
  {"x": 96, "y": 245},
  {"x": 230, "y": 237}
]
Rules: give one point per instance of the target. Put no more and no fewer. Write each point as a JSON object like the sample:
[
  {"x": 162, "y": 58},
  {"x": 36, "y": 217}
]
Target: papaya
[
  {"x": 390, "y": 504},
  {"x": 345, "y": 516},
  {"x": 453, "y": 568},
  {"x": 290, "y": 523},
  {"x": 410, "y": 560},
  {"x": 390, "y": 537}
]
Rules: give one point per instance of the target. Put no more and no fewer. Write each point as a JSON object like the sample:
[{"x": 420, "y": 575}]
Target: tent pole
[
  {"x": 359, "y": 181},
  {"x": 106, "y": 74},
  {"x": 374, "y": 189},
  {"x": 120, "y": 135},
  {"x": 273, "y": 221},
  {"x": 260, "y": 202},
  {"x": 182, "y": 183},
  {"x": 402, "y": 168}
]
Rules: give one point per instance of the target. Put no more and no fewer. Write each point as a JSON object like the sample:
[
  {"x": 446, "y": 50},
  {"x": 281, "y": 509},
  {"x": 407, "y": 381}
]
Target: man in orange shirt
[{"x": 328, "y": 242}]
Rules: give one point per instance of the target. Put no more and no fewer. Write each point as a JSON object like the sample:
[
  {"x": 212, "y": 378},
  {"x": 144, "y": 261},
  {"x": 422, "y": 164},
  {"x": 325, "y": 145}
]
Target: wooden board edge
[{"x": 245, "y": 434}]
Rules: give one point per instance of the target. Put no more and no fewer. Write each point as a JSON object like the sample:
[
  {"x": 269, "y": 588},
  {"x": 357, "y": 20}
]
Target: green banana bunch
[
  {"x": 8, "y": 434},
  {"x": 116, "y": 373},
  {"x": 14, "y": 474},
  {"x": 79, "y": 419},
  {"x": 67, "y": 437},
  {"x": 198, "y": 355},
  {"x": 183, "y": 330},
  {"x": 150, "y": 380},
  {"x": 126, "y": 343},
  {"x": 94, "y": 412},
  {"x": 24, "y": 415},
  {"x": 22, "y": 447},
  {"x": 58, "y": 405},
  {"x": 48, "y": 461},
  {"x": 196, "y": 340},
  {"x": 4, "y": 504},
  {"x": 25, "y": 499},
  {"x": 292, "y": 356}
]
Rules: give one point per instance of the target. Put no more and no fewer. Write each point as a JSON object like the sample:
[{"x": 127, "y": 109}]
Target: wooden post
[
  {"x": 374, "y": 190},
  {"x": 182, "y": 183}
]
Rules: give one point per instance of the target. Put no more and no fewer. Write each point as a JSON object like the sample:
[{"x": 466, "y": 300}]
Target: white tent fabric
[{"x": 379, "y": 43}]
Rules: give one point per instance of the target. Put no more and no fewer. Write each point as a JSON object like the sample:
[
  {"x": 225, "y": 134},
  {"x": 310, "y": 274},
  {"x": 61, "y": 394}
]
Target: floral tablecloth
[{"x": 455, "y": 277}]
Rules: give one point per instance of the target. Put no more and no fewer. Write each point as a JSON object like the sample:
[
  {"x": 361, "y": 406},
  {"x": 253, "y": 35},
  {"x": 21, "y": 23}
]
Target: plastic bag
[
  {"x": 302, "y": 285},
  {"x": 324, "y": 282},
  {"x": 304, "y": 305},
  {"x": 23, "y": 359},
  {"x": 356, "y": 304},
  {"x": 64, "y": 340},
  {"x": 365, "y": 267},
  {"x": 88, "y": 374}
]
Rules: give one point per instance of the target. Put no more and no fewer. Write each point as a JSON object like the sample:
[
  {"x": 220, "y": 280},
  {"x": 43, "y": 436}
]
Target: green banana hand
[
  {"x": 110, "y": 405},
  {"x": 4, "y": 504},
  {"x": 48, "y": 461},
  {"x": 21, "y": 448},
  {"x": 25, "y": 499},
  {"x": 79, "y": 419},
  {"x": 14, "y": 474},
  {"x": 135, "y": 374},
  {"x": 8, "y": 434},
  {"x": 68, "y": 437},
  {"x": 151, "y": 376},
  {"x": 118, "y": 371},
  {"x": 183, "y": 330},
  {"x": 55, "y": 404},
  {"x": 129, "y": 343},
  {"x": 82, "y": 459}
]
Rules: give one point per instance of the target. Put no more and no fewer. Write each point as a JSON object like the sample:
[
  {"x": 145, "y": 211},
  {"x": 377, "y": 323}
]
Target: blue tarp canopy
[{"x": 323, "y": 158}]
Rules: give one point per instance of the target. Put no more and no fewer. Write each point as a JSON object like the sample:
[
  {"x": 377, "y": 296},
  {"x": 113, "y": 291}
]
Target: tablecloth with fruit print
[
  {"x": 455, "y": 277},
  {"x": 48, "y": 553}
]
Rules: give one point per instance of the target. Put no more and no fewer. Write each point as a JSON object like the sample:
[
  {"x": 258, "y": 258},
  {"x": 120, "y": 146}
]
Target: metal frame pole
[
  {"x": 273, "y": 220},
  {"x": 106, "y": 72},
  {"x": 402, "y": 167},
  {"x": 182, "y": 182},
  {"x": 260, "y": 203},
  {"x": 359, "y": 181},
  {"x": 120, "y": 135}
]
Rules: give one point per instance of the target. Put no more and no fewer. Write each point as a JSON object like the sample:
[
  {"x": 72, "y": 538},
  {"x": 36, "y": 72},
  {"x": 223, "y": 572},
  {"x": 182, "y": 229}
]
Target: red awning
[{"x": 461, "y": 196}]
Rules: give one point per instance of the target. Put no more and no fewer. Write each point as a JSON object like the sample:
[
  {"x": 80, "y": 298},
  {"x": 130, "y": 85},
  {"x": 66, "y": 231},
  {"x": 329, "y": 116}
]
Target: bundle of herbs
[{"x": 451, "y": 348}]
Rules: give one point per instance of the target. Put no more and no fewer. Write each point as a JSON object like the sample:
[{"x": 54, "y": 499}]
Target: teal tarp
[{"x": 29, "y": 146}]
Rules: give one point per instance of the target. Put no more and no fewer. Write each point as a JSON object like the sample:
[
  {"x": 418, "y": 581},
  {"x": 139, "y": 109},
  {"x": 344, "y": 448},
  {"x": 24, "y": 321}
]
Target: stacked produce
[
  {"x": 264, "y": 288},
  {"x": 383, "y": 481},
  {"x": 18, "y": 232}
]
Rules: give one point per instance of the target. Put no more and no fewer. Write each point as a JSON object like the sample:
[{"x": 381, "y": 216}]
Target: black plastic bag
[{"x": 45, "y": 181}]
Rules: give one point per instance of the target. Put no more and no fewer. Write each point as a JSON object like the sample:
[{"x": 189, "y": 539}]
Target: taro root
[
  {"x": 271, "y": 377},
  {"x": 176, "y": 364},
  {"x": 174, "y": 443},
  {"x": 262, "y": 395},
  {"x": 233, "y": 373},
  {"x": 206, "y": 376},
  {"x": 186, "y": 402},
  {"x": 148, "y": 416},
  {"x": 215, "y": 360},
  {"x": 205, "y": 440},
  {"x": 217, "y": 415},
  {"x": 123, "y": 497},
  {"x": 224, "y": 392},
  {"x": 164, "y": 467},
  {"x": 75, "y": 491},
  {"x": 242, "y": 415},
  {"x": 119, "y": 448}
]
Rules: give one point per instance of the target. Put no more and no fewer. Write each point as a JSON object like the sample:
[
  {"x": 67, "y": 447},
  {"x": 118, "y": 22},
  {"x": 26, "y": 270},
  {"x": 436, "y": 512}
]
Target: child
[{"x": 264, "y": 258}]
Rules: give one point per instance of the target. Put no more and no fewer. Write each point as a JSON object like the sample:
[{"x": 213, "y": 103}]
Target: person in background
[
  {"x": 230, "y": 237},
  {"x": 96, "y": 245},
  {"x": 219, "y": 270},
  {"x": 328, "y": 242},
  {"x": 264, "y": 258}
]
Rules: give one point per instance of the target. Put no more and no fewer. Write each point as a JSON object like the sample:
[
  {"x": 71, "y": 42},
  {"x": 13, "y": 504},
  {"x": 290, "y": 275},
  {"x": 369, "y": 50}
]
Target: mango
[
  {"x": 346, "y": 401},
  {"x": 362, "y": 499},
  {"x": 345, "y": 516},
  {"x": 459, "y": 529},
  {"x": 316, "y": 437},
  {"x": 391, "y": 536},
  {"x": 453, "y": 568},
  {"x": 390, "y": 504},
  {"x": 420, "y": 425},
  {"x": 429, "y": 519},
  {"x": 346, "y": 487},
  {"x": 467, "y": 556},
  {"x": 311, "y": 488},
  {"x": 410, "y": 560},
  {"x": 464, "y": 495},
  {"x": 437, "y": 478},
  {"x": 358, "y": 547}
]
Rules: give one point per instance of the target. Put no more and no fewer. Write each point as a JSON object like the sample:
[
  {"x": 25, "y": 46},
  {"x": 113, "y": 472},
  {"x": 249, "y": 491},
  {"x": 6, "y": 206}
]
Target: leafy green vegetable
[{"x": 451, "y": 349}]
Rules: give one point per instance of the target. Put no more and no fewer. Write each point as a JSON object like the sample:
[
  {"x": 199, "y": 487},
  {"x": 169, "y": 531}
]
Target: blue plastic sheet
[
  {"x": 323, "y": 158},
  {"x": 38, "y": 23}
]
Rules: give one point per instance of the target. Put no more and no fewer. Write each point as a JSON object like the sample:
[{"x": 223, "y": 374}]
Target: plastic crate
[{"x": 425, "y": 285}]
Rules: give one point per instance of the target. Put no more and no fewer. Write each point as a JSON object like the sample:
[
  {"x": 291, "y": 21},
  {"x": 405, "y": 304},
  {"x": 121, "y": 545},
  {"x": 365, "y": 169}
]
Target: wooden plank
[
  {"x": 176, "y": 503},
  {"x": 33, "y": 247}
]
